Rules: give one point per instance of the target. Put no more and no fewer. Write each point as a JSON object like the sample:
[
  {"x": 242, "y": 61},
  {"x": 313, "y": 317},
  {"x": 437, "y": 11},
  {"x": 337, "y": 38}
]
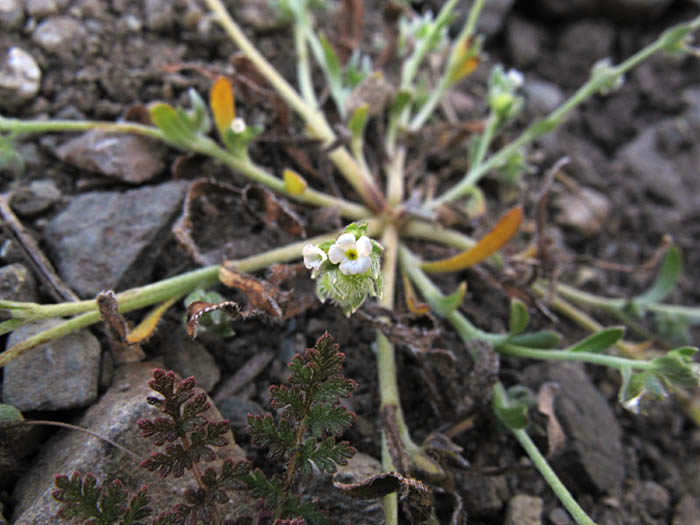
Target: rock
[
  {"x": 580, "y": 46},
  {"x": 59, "y": 375},
  {"x": 32, "y": 200},
  {"x": 592, "y": 459},
  {"x": 260, "y": 16},
  {"x": 525, "y": 41},
  {"x": 493, "y": 16},
  {"x": 117, "y": 246},
  {"x": 126, "y": 157},
  {"x": 160, "y": 14},
  {"x": 236, "y": 410},
  {"x": 44, "y": 8},
  {"x": 558, "y": 516},
  {"x": 687, "y": 511},
  {"x": 655, "y": 498},
  {"x": 17, "y": 445},
  {"x": 189, "y": 358},
  {"x": 11, "y": 15},
  {"x": 524, "y": 510},
  {"x": 585, "y": 210},
  {"x": 115, "y": 417},
  {"x": 20, "y": 78},
  {"x": 482, "y": 495},
  {"x": 627, "y": 9},
  {"x": 542, "y": 96},
  {"x": 60, "y": 35},
  {"x": 17, "y": 283},
  {"x": 566, "y": 8}
]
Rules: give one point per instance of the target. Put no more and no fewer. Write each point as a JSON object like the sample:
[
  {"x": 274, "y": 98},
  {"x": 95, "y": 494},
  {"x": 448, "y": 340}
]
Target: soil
[{"x": 133, "y": 53}]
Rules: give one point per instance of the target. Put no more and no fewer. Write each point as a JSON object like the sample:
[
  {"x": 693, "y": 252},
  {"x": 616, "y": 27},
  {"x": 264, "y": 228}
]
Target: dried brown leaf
[
  {"x": 197, "y": 309},
  {"x": 545, "y": 404},
  {"x": 109, "y": 310},
  {"x": 277, "y": 212}
]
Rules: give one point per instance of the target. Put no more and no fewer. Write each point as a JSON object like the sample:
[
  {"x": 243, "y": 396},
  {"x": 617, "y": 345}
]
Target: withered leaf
[
  {"x": 545, "y": 404},
  {"x": 109, "y": 310},
  {"x": 197, "y": 309},
  {"x": 277, "y": 212},
  {"x": 373, "y": 487}
]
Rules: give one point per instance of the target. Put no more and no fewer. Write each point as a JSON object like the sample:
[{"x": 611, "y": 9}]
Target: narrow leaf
[
  {"x": 670, "y": 270},
  {"x": 358, "y": 121},
  {"x": 493, "y": 241},
  {"x": 519, "y": 317},
  {"x": 332, "y": 63},
  {"x": 147, "y": 326},
  {"x": 221, "y": 101},
  {"x": 599, "y": 341},
  {"x": 294, "y": 183},
  {"x": 448, "y": 304}
]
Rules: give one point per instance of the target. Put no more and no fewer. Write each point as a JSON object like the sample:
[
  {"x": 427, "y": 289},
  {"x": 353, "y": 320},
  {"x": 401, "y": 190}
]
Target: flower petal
[
  {"x": 336, "y": 254},
  {"x": 360, "y": 265},
  {"x": 313, "y": 256},
  {"x": 346, "y": 241},
  {"x": 364, "y": 246}
]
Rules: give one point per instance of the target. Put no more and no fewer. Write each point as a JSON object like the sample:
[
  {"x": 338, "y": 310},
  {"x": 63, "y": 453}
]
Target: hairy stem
[{"x": 547, "y": 473}]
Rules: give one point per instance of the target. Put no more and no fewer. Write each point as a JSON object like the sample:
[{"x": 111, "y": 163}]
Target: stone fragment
[
  {"x": 11, "y": 14},
  {"x": 44, "y": 8},
  {"x": 160, "y": 14},
  {"x": 59, "y": 34},
  {"x": 524, "y": 510},
  {"x": 586, "y": 210},
  {"x": 542, "y": 96},
  {"x": 656, "y": 499},
  {"x": 687, "y": 511},
  {"x": 20, "y": 78},
  {"x": 493, "y": 16},
  {"x": 126, "y": 157},
  {"x": 17, "y": 283},
  {"x": 115, "y": 417},
  {"x": 189, "y": 358},
  {"x": 236, "y": 410},
  {"x": 592, "y": 459},
  {"x": 580, "y": 46},
  {"x": 525, "y": 41},
  {"x": 110, "y": 240},
  {"x": 58, "y": 375},
  {"x": 39, "y": 196}
]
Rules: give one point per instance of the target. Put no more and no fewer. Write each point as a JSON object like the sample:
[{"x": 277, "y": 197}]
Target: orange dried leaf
[
  {"x": 148, "y": 325},
  {"x": 222, "y": 103},
  {"x": 490, "y": 243},
  {"x": 414, "y": 306}
]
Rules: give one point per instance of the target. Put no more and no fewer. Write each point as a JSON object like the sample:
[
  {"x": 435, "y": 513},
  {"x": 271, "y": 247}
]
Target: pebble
[
  {"x": 160, "y": 14},
  {"x": 115, "y": 416},
  {"x": 542, "y": 97},
  {"x": 59, "y": 35},
  {"x": 656, "y": 498},
  {"x": 236, "y": 409},
  {"x": 11, "y": 14},
  {"x": 20, "y": 78},
  {"x": 189, "y": 358},
  {"x": 17, "y": 283},
  {"x": 38, "y": 197},
  {"x": 524, "y": 510},
  {"x": 110, "y": 240},
  {"x": 585, "y": 210},
  {"x": 493, "y": 16},
  {"x": 44, "y": 8},
  {"x": 559, "y": 516},
  {"x": 525, "y": 41},
  {"x": 128, "y": 158},
  {"x": 59, "y": 375},
  {"x": 687, "y": 511}
]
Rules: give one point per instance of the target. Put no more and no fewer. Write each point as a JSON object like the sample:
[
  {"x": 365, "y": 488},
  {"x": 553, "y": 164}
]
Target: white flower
[
  {"x": 238, "y": 125},
  {"x": 313, "y": 256},
  {"x": 516, "y": 78},
  {"x": 352, "y": 255}
]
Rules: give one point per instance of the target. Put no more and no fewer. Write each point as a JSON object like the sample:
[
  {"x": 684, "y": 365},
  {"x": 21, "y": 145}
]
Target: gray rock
[
  {"x": 558, "y": 516},
  {"x": 44, "y": 8},
  {"x": 580, "y": 46},
  {"x": 236, "y": 410},
  {"x": 17, "y": 445},
  {"x": 260, "y": 16},
  {"x": 655, "y": 498},
  {"x": 59, "y": 375},
  {"x": 687, "y": 511},
  {"x": 160, "y": 14},
  {"x": 542, "y": 96},
  {"x": 493, "y": 16},
  {"x": 11, "y": 14},
  {"x": 593, "y": 449},
  {"x": 115, "y": 417},
  {"x": 524, "y": 510},
  {"x": 36, "y": 198},
  {"x": 60, "y": 35},
  {"x": 566, "y": 8},
  {"x": 20, "y": 78},
  {"x": 17, "y": 283},
  {"x": 189, "y": 358},
  {"x": 109, "y": 240},
  {"x": 525, "y": 41},
  {"x": 125, "y": 157}
]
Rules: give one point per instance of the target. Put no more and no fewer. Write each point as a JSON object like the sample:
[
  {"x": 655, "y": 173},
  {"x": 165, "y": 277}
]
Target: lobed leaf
[
  {"x": 160, "y": 429},
  {"x": 329, "y": 419},
  {"x": 490, "y": 243}
]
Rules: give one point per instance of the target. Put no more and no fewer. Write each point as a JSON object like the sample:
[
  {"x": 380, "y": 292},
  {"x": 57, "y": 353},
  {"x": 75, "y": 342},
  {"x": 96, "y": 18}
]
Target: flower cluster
[
  {"x": 346, "y": 270},
  {"x": 502, "y": 96}
]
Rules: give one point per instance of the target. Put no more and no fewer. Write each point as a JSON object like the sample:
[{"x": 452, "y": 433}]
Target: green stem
[
  {"x": 556, "y": 117},
  {"x": 541, "y": 464},
  {"x": 564, "y": 355},
  {"x": 303, "y": 67},
  {"x": 138, "y": 298},
  {"x": 314, "y": 118},
  {"x": 485, "y": 139}
]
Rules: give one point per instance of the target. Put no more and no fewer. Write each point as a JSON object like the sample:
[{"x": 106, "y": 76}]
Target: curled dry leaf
[
  {"x": 109, "y": 310},
  {"x": 277, "y": 211},
  {"x": 545, "y": 404},
  {"x": 197, "y": 309}
]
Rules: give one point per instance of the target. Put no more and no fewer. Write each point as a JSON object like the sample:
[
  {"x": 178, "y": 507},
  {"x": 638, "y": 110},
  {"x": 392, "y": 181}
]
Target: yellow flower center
[{"x": 351, "y": 254}]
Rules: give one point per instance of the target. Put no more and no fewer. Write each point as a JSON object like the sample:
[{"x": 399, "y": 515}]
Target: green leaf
[
  {"x": 332, "y": 62},
  {"x": 519, "y": 317},
  {"x": 544, "y": 339},
  {"x": 511, "y": 412},
  {"x": 665, "y": 280},
  {"x": 677, "y": 369},
  {"x": 631, "y": 390},
  {"x": 599, "y": 341},
  {"x": 358, "y": 121},
  {"x": 402, "y": 99},
  {"x": 171, "y": 124},
  {"x": 446, "y": 305},
  {"x": 9, "y": 413},
  {"x": 198, "y": 117}
]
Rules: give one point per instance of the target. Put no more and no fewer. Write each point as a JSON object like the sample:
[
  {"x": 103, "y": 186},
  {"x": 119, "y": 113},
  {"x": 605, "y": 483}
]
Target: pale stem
[
  {"x": 314, "y": 118},
  {"x": 304, "y": 68},
  {"x": 541, "y": 464},
  {"x": 556, "y": 117}
]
